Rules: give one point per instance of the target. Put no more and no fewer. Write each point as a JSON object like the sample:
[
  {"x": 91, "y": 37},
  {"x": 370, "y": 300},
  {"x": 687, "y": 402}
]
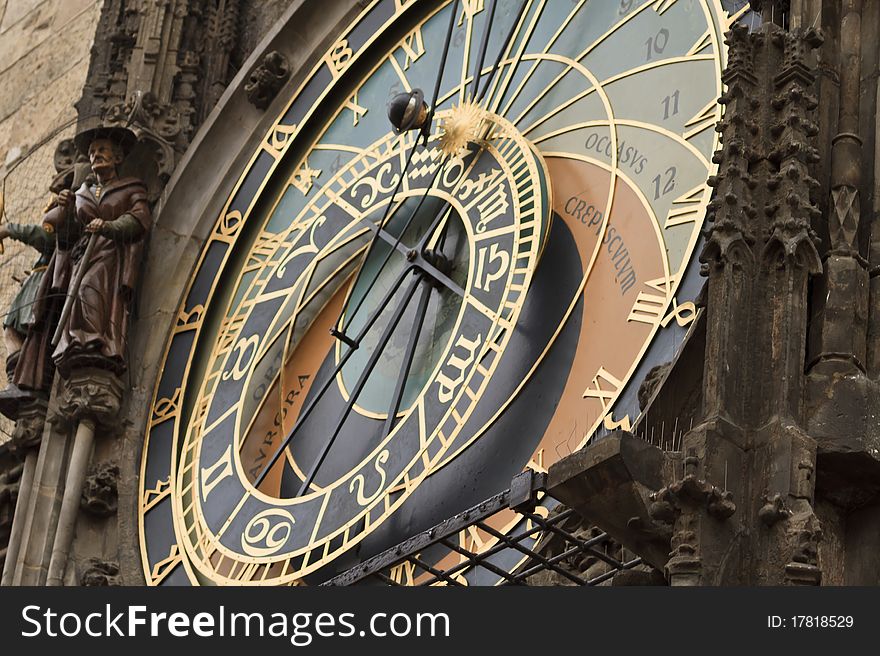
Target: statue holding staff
[{"x": 114, "y": 215}]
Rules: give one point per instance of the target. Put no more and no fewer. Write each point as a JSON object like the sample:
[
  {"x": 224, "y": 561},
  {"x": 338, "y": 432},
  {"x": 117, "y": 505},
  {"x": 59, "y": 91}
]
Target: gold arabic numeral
[
  {"x": 404, "y": 573},
  {"x": 359, "y": 481},
  {"x": 703, "y": 119},
  {"x": 212, "y": 475},
  {"x": 483, "y": 184},
  {"x": 687, "y": 208},
  {"x": 660, "y": 6},
  {"x": 683, "y": 314},
  {"x": 278, "y": 139},
  {"x": 484, "y": 277},
  {"x": 229, "y": 226},
  {"x": 189, "y": 320},
  {"x": 339, "y": 58},
  {"x": 357, "y": 110},
  {"x": 271, "y": 527},
  {"x": 304, "y": 177},
  {"x": 603, "y": 388},
  {"x": 166, "y": 408},
  {"x": 447, "y": 385},
  {"x": 541, "y": 512},
  {"x": 470, "y": 8},
  {"x": 413, "y": 47},
  {"x": 247, "y": 351}
]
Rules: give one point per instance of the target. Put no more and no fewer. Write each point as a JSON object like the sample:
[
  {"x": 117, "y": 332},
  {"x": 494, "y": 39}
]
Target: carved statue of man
[
  {"x": 113, "y": 211},
  {"x": 20, "y": 315},
  {"x": 29, "y": 322}
]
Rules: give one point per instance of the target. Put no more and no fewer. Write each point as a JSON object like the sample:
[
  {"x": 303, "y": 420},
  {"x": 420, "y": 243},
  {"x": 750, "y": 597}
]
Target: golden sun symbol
[{"x": 461, "y": 127}]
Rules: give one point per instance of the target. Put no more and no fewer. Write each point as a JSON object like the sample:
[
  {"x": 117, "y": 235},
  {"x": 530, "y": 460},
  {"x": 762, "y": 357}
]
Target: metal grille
[{"x": 543, "y": 544}]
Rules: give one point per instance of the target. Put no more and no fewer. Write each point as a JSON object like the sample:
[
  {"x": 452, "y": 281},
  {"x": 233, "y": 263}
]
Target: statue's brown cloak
[{"x": 96, "y": 331}]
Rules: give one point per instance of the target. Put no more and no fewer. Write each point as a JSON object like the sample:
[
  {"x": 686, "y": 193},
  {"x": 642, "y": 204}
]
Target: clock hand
[
  {"x": 442, "y": 68},
  {"x": 504, "y": 47},
  {"x": 339, "y": 327},
  {"x": 342, "y": 362},
  {"x": 362, "y": 380},
  {"x": 478, "y": 63},
  {"x": 408, "y": 356},
  {"x": 419, "y": 259},
  {"x": 339, "y": 333}
]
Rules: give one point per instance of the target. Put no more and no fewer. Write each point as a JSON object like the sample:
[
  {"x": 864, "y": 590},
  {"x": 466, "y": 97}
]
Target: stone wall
[{"x": 44, "y": 57}]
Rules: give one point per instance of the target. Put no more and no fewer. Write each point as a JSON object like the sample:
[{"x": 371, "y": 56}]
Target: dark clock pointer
[
  {"x": 408, "y": 357},
  {"x": 362, "y": 380},
  {"x": 342, "y": 362},
  {"x": 484, "y": 43},
  {"x": 414, "y": 115},
  {"x": 494, "y": 69},
  {"x": 407, "y": 111}
]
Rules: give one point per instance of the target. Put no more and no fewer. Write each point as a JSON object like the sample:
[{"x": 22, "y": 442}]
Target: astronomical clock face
[{"x": 386, "y": 326}]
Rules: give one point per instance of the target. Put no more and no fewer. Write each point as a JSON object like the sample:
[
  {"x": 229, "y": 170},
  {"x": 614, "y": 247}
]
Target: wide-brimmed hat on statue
[{"x": 122, "y": 136}]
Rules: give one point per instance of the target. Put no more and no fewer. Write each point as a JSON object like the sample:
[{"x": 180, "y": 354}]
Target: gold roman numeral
[
  {"x": 705, "y": 118},
  {"x": 304, "y": 176},
  {"x": 404, "y": 573},
  {"x": 604, "y": 387},
  {"x": 687, "y": 208},
  {"x": 469, "y": 8},
  {"x": 212, "y": 475},
  {"x": 357, "y": 110},
  {"x": 413, "y": 47},
  {"x": 264, "y": 247}
]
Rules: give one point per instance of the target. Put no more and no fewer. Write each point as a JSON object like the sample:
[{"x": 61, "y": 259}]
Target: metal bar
[
  {"x": 600, "y": 555},
  {"x": 422, "y": 540},
  {"x": 484, "y": 44},
  {"x": 477, "y": 559},
  {"x": 362, "y": 380},
  {"x": 408, "y": 357},
  {"x": 555, "y": 559},
  {"x": 330, "y": 379},
  {"x": 436, "y": 572},
  {"x": 514, "y": 544}
]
